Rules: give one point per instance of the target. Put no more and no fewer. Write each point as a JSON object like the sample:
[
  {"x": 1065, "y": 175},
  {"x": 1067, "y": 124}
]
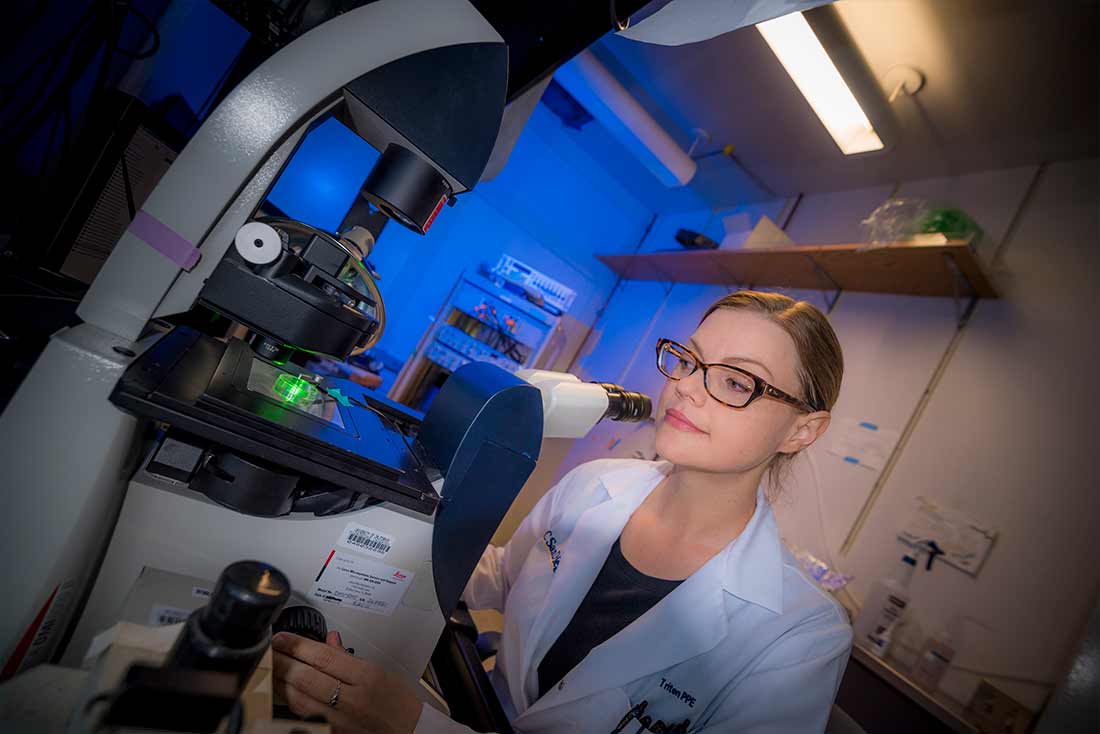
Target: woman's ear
[{"x": 808, "y": 428}]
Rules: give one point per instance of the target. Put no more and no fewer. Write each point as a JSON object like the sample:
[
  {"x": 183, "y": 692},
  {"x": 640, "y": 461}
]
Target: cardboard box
[{"x": 994, "y": 712}]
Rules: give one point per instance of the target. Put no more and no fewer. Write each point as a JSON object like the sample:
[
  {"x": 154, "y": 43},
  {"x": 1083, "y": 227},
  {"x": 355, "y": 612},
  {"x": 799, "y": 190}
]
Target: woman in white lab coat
[{"x": 653, "y": 596}]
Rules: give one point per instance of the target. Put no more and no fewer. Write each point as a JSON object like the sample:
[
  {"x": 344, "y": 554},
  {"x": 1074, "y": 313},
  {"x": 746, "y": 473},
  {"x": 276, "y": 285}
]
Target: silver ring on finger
[{"x": 335, "y": 697}]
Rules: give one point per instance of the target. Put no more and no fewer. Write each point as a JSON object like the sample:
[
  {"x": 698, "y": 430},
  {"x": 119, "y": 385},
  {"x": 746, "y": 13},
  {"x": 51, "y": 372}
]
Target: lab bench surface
[{"x": 884, "y": 700}]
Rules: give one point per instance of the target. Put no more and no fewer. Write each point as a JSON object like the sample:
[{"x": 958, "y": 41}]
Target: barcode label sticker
[
  {"x": 366, "y": 540},
  {"x": 161, "y": 615}
]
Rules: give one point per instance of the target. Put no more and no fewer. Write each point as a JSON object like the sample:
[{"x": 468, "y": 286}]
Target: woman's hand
[{"x": 371, "y": 700}]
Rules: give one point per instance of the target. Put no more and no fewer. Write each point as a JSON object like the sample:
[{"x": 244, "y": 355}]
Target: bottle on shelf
[
  {"x": 935, "y": 657},
  {"x": 884, "y": 609}
]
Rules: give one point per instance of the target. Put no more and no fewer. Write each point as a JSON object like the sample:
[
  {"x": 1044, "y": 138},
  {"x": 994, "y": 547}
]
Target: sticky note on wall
[{"x": 864, "y": 443}]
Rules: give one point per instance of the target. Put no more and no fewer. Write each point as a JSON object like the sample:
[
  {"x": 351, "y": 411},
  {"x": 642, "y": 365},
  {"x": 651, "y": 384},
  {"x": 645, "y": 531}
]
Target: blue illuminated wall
[
  {"x": 324, "y": 176},
  {"x": 564, "y": 196},
  {"x": 554, "y": 206}
]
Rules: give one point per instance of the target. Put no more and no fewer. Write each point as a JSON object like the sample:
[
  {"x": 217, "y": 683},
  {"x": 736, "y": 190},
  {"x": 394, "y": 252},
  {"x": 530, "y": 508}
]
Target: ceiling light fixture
[{"x": 816, "y": 76}]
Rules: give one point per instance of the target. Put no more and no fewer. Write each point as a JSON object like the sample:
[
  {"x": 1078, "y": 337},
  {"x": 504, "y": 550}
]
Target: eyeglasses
[{"x": 728, "y": 385}]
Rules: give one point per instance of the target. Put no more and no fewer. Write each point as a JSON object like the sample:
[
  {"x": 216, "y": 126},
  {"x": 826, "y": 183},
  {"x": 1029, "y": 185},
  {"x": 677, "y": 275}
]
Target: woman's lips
[{"x": 676, "y": 419}]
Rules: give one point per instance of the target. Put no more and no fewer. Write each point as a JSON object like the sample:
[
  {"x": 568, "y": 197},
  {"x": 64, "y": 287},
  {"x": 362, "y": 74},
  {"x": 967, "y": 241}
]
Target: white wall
[
  {"x": 1008, "y": 436},
  {"x": 1000, "y": 416}
]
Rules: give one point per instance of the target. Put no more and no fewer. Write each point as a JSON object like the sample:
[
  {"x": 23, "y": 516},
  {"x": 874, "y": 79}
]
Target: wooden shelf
[{"x": 902, "y": 268}]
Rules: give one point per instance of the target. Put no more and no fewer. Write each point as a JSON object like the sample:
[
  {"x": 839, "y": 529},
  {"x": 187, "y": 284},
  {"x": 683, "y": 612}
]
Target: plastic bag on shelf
[{"x": 894, "y": 220}]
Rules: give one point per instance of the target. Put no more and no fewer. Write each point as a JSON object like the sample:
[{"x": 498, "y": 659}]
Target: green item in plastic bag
[{"x": 954, "y": 223}]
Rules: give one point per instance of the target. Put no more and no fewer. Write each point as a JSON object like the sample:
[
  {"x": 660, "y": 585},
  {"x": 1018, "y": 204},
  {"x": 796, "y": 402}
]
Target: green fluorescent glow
[{"x": 296, "y": 390}]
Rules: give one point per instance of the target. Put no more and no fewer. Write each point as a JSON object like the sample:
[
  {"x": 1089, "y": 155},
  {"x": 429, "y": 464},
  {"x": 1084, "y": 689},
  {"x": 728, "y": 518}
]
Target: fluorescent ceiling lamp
[{"x": 816, "y": 76}]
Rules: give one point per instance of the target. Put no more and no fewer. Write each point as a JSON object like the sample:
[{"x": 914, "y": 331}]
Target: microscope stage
[{"x": 224, "y": 393}]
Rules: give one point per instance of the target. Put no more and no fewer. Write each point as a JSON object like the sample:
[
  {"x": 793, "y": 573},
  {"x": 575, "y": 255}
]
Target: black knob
[
  {"x": 232, "y": 632},
  {"x": 303, "y": 621},
  {"x": 246, "y": 599}
]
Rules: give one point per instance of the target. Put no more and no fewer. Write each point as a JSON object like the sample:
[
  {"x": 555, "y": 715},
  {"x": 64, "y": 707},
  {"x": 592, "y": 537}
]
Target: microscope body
[
  {"x": 385, "y": 576},
  {"x": 71, "y": 456},
  {"x": 131, "y": 445}
]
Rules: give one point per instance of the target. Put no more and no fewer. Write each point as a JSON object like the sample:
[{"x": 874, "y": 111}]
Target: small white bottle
[
  {"x": 933, "y": 661},
  {"x": 884, "y": 609}
]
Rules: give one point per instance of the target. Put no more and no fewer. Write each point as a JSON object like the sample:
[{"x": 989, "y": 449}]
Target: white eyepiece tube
[{"x": 571, "y": 408}]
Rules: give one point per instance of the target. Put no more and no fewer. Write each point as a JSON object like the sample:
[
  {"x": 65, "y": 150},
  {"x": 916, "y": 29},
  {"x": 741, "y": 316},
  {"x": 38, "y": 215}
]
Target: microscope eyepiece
[
  {"x": 624, "y": 405},
  {"x": 246, "y": 599},
  {"x": 231, "y": 633}
]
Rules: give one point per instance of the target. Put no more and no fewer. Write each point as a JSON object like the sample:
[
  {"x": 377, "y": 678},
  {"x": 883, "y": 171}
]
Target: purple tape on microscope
[{"x": 161, "y": 238}]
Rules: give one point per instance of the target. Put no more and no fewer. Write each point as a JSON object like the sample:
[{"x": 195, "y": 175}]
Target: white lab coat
[{"x": 745, "y": 644}]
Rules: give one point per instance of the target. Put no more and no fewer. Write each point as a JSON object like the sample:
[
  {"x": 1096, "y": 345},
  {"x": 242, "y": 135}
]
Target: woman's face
[{"x": 696, "y": 431}]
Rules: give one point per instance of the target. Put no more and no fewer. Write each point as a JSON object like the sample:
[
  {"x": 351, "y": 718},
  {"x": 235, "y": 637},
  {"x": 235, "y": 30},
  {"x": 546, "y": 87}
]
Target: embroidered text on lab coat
[
  {"x": 551, "y": 543},
  {"x": 647, "y": 723},
  {"x": 684, "y": 696}
]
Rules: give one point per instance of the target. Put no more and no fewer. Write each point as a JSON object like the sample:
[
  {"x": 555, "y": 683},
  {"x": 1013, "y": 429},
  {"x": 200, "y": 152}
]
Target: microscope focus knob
[{"x": 303, "y": 621}]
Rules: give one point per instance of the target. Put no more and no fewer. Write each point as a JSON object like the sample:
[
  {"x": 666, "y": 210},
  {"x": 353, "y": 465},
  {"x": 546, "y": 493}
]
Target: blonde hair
[{"x": 820, "y": 367}]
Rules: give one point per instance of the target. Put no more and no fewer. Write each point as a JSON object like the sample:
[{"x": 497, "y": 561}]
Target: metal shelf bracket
[
  {"x": 961, "y": 289},
  {"x": 830, "y": 285}
]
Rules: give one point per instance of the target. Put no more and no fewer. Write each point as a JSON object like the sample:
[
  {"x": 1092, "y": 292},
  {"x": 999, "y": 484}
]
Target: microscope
[{"x": 134, "y": 444}]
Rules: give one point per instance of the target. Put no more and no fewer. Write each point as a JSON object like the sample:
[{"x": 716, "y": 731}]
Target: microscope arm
[
  {"x": 219, "y": 179},
  {"x": 571, "y": 408}
]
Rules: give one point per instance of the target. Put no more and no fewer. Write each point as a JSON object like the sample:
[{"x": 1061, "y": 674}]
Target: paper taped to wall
[
  {"x": 965, "y": 543},
  {"x": 863, "y": 443}
]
